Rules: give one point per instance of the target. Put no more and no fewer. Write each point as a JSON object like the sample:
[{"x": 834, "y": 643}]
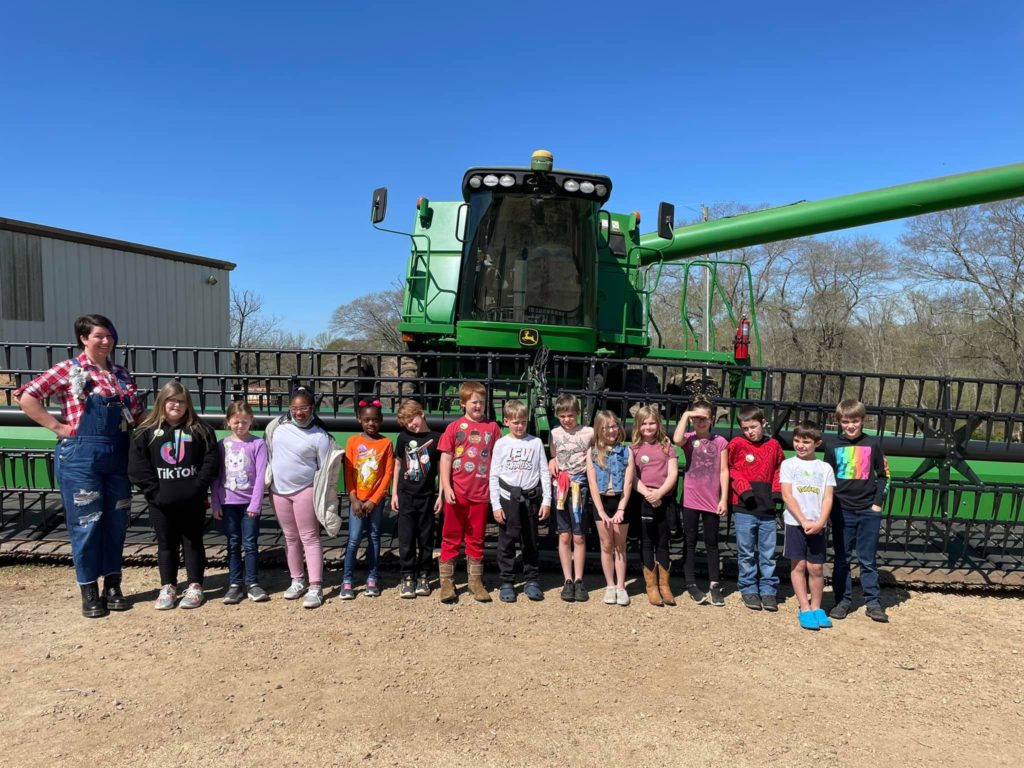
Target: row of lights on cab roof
[{"x": 507, "y": 180}]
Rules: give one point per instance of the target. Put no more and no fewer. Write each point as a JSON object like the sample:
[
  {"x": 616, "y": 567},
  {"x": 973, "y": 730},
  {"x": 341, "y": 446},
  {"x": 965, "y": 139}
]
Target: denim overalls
[{"x": 92, "y": 471}]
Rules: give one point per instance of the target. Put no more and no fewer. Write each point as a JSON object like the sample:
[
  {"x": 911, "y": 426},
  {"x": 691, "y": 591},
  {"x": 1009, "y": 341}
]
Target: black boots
[
  {"x": 92, "y": 606},
  {"x": 112, "y": 595}
]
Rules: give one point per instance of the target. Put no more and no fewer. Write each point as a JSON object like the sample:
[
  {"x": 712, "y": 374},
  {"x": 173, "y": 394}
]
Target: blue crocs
[
  {"x": 533, "y": 591},
  {"x": 808, "y": 620},
  {"x": 822, "y": 618},
  {"x": 507, "y": 593}
]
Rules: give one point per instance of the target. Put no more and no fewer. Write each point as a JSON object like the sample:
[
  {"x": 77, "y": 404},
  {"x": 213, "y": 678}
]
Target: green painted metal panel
[{"x": 506, "y": 336}]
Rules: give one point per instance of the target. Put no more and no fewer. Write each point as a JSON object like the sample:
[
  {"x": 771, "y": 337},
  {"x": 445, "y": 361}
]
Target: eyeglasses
[
  {"x": 175, "y": 403},
  {"x": 302, "y": 409}
]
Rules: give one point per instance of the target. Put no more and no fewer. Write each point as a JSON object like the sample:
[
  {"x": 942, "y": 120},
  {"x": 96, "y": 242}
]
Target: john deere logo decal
[{"x": 529, "y": 337}]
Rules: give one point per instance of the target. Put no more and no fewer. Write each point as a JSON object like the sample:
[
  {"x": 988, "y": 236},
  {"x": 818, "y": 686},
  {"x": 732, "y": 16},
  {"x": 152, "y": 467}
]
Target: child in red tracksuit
[
  {"x": 466, "y": 449},
  {"x": 754, "y": 462}
]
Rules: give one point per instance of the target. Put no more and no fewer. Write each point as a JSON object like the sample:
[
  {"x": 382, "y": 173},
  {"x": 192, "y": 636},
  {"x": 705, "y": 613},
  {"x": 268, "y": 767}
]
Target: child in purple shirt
[
  {"x": 705, "y": 493},
  {"x": 237, "y": 496}
]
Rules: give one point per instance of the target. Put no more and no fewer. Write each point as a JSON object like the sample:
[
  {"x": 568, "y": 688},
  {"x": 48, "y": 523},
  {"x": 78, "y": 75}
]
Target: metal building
[{"x": 50, "y": 276}]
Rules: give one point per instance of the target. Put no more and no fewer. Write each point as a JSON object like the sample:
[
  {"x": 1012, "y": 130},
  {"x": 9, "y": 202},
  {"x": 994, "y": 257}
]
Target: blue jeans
[
  {"x": 242, "y": 533},
  {"x": 855, "y": 529},
  {"x": 369, "y": 523},
  {"x": 755, "y": 550}
]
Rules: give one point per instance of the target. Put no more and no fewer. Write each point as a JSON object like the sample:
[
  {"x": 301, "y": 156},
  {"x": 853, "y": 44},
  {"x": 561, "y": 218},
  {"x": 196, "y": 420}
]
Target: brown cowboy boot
[
  {"x": 476, "y": 580},
  {"x": 651, "y": 580},
  {"x": 447, "y": 572},
  {"x": 663, "y": 586}
]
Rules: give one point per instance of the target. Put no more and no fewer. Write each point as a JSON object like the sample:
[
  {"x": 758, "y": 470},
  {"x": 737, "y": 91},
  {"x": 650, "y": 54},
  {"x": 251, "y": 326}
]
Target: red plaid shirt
[{"x": 56, "y": 383}]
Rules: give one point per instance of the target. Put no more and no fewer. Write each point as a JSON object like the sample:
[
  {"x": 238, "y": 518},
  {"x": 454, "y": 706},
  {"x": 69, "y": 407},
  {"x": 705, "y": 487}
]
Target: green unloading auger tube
[{"x": 812, "y": 218}]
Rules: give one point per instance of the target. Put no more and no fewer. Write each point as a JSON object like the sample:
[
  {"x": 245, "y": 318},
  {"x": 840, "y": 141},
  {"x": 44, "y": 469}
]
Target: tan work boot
[
  {"x": 476, "y": 580},
  {"x": 447, "y": 573},
  {"x": 651, "y": 580},
  {"x": 663, "y": 586}
]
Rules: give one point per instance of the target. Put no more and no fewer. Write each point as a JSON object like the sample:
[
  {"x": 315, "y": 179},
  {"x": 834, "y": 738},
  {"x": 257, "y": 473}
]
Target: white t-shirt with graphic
[{"x": 809, "y": 480}]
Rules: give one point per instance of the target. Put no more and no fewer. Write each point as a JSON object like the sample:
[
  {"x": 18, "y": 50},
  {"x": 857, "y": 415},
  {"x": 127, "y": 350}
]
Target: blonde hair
[
  {"x": 407, "y": 411},
  {"x": 513, "y": 409},
  {"x": 238, "y": 407},
  {"x": 155, "y": 418},
  {"x": 851, "y": 409},
  {"x": 469, "y": 388},
  {"x": 644, "y": 413},
  {"x": 602, "y": 446}
]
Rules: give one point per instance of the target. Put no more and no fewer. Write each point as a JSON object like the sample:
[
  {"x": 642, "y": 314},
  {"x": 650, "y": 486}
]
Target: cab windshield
[{"x": 530, "y": 258}]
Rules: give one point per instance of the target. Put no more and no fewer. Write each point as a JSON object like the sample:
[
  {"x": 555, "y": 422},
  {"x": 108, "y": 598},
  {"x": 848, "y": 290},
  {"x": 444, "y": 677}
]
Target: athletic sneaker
[
  {"x": 769, "y": 603},
  {"x": 695, "y": 594},
  {"x": 507, "y": 593},
  {"x": 716, "y": 595},
  {"x": 808, "y": 620},
  {"x": 609, "y": 595},
  {"x": 234, "y": 595},
  {"x": 840, "y": 610},
  {"x": 193, "y": 597},
  {"x": 257, "y": 593},
  {"x": 533, "y": 591},
  {"x": 752, "y": 600},
  {"x": 423, "y": 587},
  {"x": 314, "y": 597},
  {"x": 296, "y": 590},
  {"x": 877, "y": 613},
  {"x": 347, "y": 593},
  {"x": 168, "y": 598},
  {"x": 372, "y": 590},
  {"x": 580, "y": 592},
  {"x": 822, "y": 618},
  {"x": 621, "y": 597},
  {"x": 408, "y": 588},
  {"x": 568, "y": 592}
]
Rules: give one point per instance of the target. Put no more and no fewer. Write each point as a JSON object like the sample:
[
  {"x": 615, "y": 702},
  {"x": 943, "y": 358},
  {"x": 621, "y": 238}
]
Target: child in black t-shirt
[{"x": 414, "y": 497}]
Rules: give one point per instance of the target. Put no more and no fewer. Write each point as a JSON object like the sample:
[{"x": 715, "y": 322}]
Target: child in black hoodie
[{"x": 174, "y": 460}]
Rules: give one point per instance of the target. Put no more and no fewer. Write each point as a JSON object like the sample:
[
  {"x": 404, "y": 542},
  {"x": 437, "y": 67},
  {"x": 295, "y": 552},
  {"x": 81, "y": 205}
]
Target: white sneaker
[
  {"x": 168, "y": 598},
  {"x": 314, "y": 597},
  {"x": 621, "y": 597},
  {"x": 609, "y": 595},
  {"x": 193, "y": 597},
  {"x": 296, "y": 590}
]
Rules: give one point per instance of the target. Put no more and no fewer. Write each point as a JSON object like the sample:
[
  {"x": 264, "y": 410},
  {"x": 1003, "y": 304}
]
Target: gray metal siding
[{"x": 152, "y": 300}]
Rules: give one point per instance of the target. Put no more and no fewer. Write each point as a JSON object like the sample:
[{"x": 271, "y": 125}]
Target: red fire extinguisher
[{"x": 742, "y": 342}]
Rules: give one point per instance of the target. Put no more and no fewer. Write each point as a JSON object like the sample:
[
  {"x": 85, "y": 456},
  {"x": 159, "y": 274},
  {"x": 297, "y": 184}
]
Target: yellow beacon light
[{"x": 541, "y": 160}]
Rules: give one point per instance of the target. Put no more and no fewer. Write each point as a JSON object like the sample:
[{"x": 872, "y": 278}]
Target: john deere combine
[{"x": 529, "y": 284}]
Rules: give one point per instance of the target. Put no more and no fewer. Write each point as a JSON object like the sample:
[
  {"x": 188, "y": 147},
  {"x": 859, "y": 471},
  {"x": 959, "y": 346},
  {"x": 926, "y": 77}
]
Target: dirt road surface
[{"x": 391, "y": 682}]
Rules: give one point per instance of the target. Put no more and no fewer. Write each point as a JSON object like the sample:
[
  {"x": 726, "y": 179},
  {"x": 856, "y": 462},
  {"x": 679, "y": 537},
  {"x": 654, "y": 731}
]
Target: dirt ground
[{"x": 391, "y": 682}]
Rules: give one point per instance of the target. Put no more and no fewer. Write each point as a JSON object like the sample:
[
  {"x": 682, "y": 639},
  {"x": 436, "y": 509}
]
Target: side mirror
[
  {"x": 461, "y": 221},
  {"x": 380, "y": 205},
  {"x": 666, "y": 220}
]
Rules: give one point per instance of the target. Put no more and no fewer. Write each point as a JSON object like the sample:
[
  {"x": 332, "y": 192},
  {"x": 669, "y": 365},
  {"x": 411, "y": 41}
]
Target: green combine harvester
[{"x": 529, "y": 284}]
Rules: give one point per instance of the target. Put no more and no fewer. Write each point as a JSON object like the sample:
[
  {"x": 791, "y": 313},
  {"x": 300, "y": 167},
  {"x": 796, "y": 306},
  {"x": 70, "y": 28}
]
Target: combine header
[{"x": 529, "y": 284}]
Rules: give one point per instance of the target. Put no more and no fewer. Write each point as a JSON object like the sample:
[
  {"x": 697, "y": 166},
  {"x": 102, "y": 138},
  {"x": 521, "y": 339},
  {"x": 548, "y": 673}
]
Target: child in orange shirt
[{"x": 369, "y": 462}]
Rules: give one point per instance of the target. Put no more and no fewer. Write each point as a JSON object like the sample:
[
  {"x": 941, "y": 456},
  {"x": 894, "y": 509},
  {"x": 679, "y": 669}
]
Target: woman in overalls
[{"x": 98, "y": 406}]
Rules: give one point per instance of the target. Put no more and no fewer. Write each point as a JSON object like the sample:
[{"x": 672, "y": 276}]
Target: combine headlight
[
  {"x": 601, "y": 190},
  {"x": 490, "y": 180},
  {"x": 474, "y": 182},
  {"x": 587, "y": 187},
  {"x": 571, "y": 185},
  {"x": 507, "y": 181}
]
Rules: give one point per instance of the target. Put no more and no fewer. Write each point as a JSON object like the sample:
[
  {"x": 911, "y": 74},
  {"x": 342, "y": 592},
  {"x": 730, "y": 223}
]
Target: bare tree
[
  {"x": 371, "y": 321},
  {"x": 978, "y": 253},
  {"x": 250, "y": 328}
]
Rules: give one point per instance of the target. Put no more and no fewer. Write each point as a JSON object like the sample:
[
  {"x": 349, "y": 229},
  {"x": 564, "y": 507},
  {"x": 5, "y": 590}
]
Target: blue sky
[{"x": 255, "y": 132}]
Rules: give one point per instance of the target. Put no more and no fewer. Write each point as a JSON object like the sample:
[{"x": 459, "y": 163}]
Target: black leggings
[
  {"x": 654, "y": 534},
  {"x": 175, "y": 527},
  {"x": 709, "y": 521}
]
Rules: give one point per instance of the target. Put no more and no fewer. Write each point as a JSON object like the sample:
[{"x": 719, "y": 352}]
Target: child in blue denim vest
[
  {"x": 610, "y": 476},
  {"x": 236, "y": 501}
]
